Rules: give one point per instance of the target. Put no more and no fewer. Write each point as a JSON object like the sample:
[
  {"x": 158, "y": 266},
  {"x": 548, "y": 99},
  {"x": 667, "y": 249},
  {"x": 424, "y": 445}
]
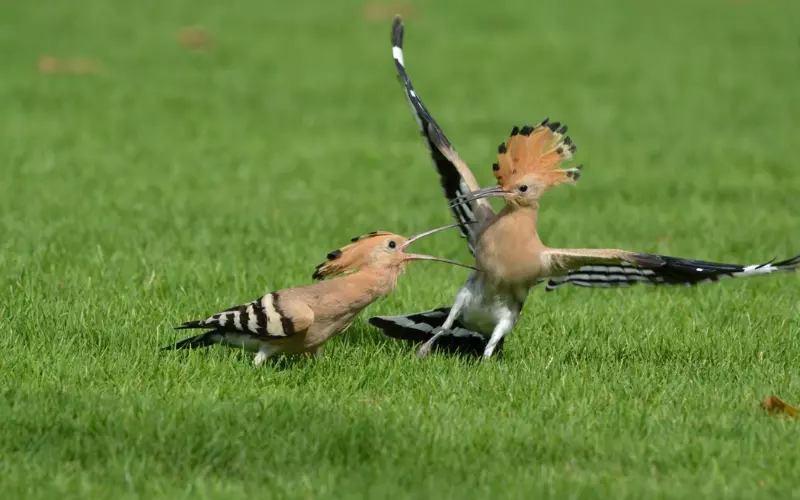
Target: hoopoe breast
[{"x": 509, "y": 252}]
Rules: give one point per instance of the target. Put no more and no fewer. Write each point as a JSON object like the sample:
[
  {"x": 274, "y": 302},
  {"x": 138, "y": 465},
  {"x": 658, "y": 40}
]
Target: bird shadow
[{"x": 280, "y": 362}]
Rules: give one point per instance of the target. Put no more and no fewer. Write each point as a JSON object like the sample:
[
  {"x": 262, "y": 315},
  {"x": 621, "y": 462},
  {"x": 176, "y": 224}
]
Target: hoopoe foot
[
  {"x": 259, "y": 359},
  {"x": 263, "y": 353},
  {"x": 488, "y": 352},
  {"x": 493, "y": 350},
  {"x": 427, "y": 347}
]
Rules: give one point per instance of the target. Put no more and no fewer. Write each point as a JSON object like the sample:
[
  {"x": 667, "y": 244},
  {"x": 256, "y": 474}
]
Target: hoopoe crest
[
  {"x": 532, "y": 157},
  {"x": 529, "y": 164}
]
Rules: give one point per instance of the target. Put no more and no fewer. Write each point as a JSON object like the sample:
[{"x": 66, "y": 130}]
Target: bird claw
[
  {"x": 424, "y": 350},
  {"x": 427, "y": 347},
  {"x": 259, "y": 360}
]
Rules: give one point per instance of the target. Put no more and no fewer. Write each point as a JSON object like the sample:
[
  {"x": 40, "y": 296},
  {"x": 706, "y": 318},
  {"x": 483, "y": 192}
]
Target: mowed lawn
[{"x": 160, "y": 184}]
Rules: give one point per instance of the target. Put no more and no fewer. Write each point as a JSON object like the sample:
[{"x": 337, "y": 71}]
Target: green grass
[{"x": 180, "y": 182}]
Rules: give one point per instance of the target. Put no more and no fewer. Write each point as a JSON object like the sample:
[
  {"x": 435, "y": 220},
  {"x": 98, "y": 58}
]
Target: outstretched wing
[
  {"x": 456, "y": 178},
  {"x": 264, "y": 318},
  {"x": 618, "y": 268}
]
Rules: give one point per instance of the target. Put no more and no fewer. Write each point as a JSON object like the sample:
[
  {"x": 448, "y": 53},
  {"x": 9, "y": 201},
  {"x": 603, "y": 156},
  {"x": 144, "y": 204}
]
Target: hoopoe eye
[
  {"x": 523, "y": 188},
  {"x": 392, "y": 244}
]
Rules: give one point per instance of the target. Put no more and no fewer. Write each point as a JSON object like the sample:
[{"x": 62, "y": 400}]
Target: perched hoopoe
[
  {"x": 507, "y": 248},
  {"x": 302, "y": 319}
]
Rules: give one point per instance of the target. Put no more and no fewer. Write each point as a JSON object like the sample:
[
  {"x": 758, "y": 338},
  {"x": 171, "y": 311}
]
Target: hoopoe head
[
  {"x": 377, "y": 250},
  {"x": 528, "y": 165}
]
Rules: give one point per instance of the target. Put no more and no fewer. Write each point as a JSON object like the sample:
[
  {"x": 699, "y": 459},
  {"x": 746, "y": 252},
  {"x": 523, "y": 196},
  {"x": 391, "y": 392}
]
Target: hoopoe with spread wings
[
  {"x": 302, "y": 319},
  {"x": 508, "y": 251}
]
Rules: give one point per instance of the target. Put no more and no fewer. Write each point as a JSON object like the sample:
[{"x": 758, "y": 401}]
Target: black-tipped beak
[
  {"x": 489, "y": 192},
  {"x": 416, "y": 237}
]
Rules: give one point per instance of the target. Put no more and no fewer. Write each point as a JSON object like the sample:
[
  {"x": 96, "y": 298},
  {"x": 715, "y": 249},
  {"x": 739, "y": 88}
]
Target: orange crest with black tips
[{"x": 536, "y": 152}]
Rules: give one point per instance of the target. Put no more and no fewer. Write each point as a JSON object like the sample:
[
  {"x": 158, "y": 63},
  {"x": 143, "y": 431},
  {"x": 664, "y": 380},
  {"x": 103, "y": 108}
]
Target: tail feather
[
  {"x": 203, "y": 340},
  {"x": 455, "y": 177},
  {"x": 418, "y": 328},
  {"x": 191, "y": 324}
]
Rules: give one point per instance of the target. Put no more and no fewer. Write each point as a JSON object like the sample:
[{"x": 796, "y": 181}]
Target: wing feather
[
  {"x": 265, "y": 318},
  {"x": 455, "y": 176},
  {"x": 619, "y": 268}
]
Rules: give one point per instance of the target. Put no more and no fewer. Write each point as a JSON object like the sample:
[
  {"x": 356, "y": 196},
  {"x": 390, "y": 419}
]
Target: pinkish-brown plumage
[
  {"x": 533, "y": 155},
  {"x": 301, "y": 319},
  {"x": 507, "y": 246}
]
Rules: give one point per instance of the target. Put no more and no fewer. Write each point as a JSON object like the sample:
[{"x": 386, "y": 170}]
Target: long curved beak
[
  {"x": 416, "y": 256},
  {"x": 432, "y": 231},
  {"x": 489, "y": 192}
]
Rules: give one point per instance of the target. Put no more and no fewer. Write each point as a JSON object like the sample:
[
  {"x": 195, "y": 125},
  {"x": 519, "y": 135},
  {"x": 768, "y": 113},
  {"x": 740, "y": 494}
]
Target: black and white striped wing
[
  {"x": 662, "y": 270},
  {"x": 456, "y": 178},
  {"x": 262, "y": 318}
]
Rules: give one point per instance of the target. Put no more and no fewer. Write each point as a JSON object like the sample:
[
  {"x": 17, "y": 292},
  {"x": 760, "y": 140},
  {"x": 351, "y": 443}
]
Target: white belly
[
  {"x": 241, "y": 341},
  {"x": 486, "y": 306},
  {"x": 479, "y": 320}
]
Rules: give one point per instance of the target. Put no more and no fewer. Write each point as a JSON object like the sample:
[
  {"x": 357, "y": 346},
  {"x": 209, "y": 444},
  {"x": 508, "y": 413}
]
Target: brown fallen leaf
[
  {"x": 82, "y": 66},
  {"x": 48, "y": 64},
  {"x": 387, "y": 11},
  {"x": 75, "y": 66},
  {"x": 194, "y": 37},
  {"x": 775, "y": 406}
]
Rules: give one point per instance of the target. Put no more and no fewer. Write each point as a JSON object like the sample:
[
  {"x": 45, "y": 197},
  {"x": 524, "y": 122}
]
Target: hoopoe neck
[
  {"x": 519, "y": 223},
  {"x": 353, "y": 292},
  {"x": 508, "y": 249},
  {"x": 527, "y": 215},
  {"x": 375, "y": 283}
]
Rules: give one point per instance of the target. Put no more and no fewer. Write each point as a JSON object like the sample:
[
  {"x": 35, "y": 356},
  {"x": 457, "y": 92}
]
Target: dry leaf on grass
[
  {"x": 55, "y": 66},
  {"x": 387, "y": 11},
  {"x": 193, "y": 37},
  {"x": 774, "y": 405}
]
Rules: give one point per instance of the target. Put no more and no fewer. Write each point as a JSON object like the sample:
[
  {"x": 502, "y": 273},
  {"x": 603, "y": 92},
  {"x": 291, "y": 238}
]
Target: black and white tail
[
  {"x": 663, "y": 270},
  {"x": 452, "y": 180},
  {"x": 418, "y": 328}
]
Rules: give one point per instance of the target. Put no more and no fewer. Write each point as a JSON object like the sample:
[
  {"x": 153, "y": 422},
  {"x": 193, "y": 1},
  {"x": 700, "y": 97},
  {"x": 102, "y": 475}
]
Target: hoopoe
[
  {"x": 506, "y": 245},
  {"x": 300, "y": 320}
]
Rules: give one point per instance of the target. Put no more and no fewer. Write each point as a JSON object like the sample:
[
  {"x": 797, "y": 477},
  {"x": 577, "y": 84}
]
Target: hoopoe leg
[
  {"x": 461, "y": 301},
  {"x": 317, "y": 353},
  {"x": 263, "y": 353},
  {"x": 501, "y": 329}
]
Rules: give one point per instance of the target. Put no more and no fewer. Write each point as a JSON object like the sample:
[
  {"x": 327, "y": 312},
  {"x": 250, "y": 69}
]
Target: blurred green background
[{"x": 144, "y": 182}]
